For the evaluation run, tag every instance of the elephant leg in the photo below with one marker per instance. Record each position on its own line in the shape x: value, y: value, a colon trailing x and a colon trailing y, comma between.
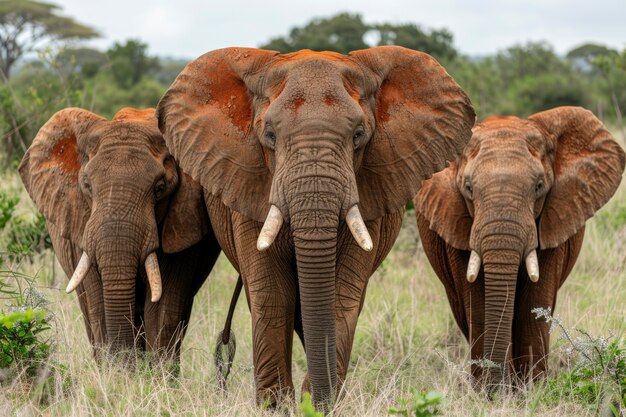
x: 473, y: 301
x: 531, y: 343
x: 271, y: 287
x: 182, y: 275
x: 450, y: 266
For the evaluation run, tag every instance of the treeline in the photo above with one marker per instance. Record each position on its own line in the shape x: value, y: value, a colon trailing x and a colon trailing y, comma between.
x: 519, y: 80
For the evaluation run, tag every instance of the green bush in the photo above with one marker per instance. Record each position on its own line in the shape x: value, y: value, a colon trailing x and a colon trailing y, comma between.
x: 22, y: 342
x: 422, y: 405
x: 597, y: 376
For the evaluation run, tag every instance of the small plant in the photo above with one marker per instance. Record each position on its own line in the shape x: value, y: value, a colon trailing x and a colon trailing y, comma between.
x: 23, y: 346
x: 598, y: 375
x: 306, y: 407
x: 7, y: 207
x: 422, y: 405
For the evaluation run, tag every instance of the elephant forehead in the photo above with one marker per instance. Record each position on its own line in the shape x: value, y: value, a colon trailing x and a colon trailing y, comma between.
x: 508, y: 132
x: 314, y: 72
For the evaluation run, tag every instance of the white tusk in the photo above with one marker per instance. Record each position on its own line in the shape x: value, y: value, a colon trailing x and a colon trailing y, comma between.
x: 473, y: 266
x: 79, y: 273
x: 270, y: 229
x: 532, y: 266
x: 358, y: 229
x: 154, y: 276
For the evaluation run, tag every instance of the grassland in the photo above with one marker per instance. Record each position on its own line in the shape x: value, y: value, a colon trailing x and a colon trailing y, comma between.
x: 406, y: 338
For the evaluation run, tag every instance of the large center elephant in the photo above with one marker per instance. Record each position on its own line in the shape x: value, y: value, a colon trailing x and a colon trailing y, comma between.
x: 121, y: 213
x: 516, y: 203
x: 315, y: 154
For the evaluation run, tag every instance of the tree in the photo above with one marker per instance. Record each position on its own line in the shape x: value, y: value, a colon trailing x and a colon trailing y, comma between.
x: 130, y: 62
x: 347, y: 32
x: 583, y: 55
x: 437, y: 43
x: 341, y: 33
x: 26, y: 25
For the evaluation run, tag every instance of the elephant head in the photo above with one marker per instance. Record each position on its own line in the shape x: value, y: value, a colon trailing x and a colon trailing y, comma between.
x: 111, y: 189
x: 313, y: 139
x: 519, y: 187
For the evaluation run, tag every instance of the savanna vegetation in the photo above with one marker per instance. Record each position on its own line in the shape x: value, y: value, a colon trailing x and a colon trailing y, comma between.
x: 409, y: 358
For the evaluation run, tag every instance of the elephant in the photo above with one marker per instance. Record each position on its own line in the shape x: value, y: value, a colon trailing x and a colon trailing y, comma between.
x: 503, y: 225
x: 121, y: 213
x: 308, y: 160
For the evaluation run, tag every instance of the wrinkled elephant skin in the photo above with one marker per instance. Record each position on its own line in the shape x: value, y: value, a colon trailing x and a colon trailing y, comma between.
x: 126, y: 224
x: 327, y: 148
x: 503, y: 226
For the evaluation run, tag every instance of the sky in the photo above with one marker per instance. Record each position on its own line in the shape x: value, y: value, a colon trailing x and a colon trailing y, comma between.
x: 188, y: 28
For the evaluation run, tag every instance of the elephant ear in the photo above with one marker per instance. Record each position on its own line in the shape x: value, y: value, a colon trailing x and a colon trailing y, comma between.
x: 423, y: 121
x: 50, y: 168
x: 206, y: 118
x: 442, y: 205
x: 186, y: 221
x: 588, y: 169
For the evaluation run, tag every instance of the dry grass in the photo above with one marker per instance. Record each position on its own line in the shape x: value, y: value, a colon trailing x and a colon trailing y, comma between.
x: 406, y: 338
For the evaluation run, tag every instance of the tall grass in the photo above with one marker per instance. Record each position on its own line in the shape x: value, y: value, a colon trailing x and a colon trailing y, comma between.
x: 406, y: 339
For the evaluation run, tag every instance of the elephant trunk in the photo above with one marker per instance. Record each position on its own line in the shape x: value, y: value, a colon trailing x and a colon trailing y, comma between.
x: 119, y: 250
x: 316, y: 262
x: 500, y: 266
x: 119, y: 303
x: 315, y: 204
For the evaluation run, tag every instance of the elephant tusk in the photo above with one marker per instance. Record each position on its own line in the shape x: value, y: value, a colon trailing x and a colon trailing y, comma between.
x: 532, y: 266
x: 358, y: 229
x: 473, y: 266
x: 154, y: 276
x: 270, y: 229
x: 79, y: 273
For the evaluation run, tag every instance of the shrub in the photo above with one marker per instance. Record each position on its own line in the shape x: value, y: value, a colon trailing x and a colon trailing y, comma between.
x: 597, y: 377
x: 422, y: 405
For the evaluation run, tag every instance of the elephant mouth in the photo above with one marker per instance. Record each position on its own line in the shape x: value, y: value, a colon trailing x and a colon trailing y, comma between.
x: 152, y: 271
x: 274, y: 222
x: 532, y: 266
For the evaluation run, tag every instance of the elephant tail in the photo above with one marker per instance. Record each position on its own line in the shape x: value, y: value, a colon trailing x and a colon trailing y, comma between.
x: 226, y: 346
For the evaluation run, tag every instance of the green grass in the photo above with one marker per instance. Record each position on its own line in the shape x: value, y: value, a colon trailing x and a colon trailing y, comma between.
x: 406, y: 342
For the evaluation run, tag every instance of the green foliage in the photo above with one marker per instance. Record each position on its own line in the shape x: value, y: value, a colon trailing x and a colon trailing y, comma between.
x: 347, y: 32
x: 19, y: 338
x: 25, y: 24
x: 306, y: 407
x: 438, y: 43
x: 7, y: 207
x: 597, y: 376
x: 22, y: 342
x: 341, y: 33
x: 130, y: 63
x: 22, y: 237
x: 421, y: 405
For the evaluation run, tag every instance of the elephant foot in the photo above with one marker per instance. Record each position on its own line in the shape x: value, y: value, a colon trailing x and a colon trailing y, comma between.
x: 275, y: 397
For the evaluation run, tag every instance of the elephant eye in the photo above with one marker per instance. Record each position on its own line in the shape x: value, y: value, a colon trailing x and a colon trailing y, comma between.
x: 358, y: 136
x: 87, y: 185
x: 159, y: 189
x: 270, y: 136
x: 539, y: 187
x: 469, y: 190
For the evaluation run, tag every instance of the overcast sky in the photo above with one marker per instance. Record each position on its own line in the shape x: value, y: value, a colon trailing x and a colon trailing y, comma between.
x: 188, y: 28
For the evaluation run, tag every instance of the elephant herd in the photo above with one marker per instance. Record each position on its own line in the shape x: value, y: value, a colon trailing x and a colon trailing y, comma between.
x: 299, y: 167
